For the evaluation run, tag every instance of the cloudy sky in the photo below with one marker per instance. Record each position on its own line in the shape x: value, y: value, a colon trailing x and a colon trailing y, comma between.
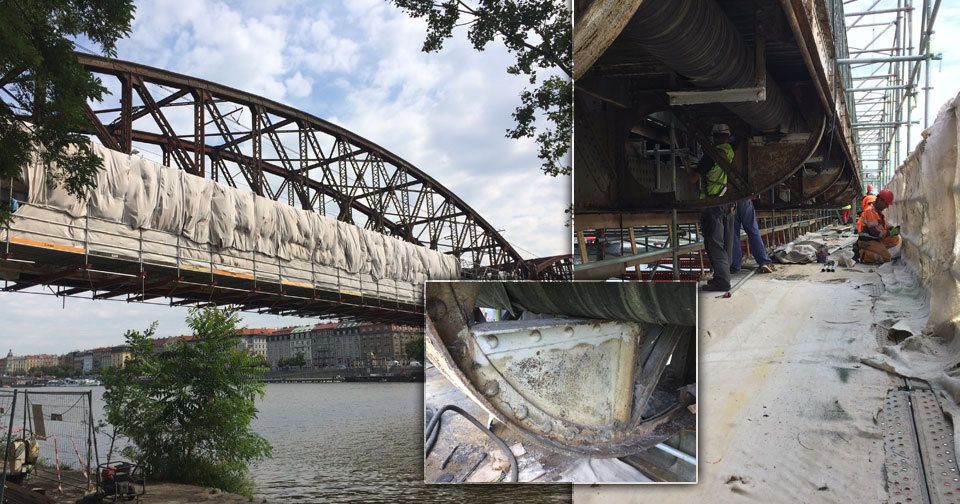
x: 358, y: 64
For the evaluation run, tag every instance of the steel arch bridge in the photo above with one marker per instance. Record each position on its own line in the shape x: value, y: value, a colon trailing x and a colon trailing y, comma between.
x: 285, y: 154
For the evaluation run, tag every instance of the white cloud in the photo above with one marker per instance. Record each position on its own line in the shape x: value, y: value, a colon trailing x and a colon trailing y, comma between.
x: 299, y: 86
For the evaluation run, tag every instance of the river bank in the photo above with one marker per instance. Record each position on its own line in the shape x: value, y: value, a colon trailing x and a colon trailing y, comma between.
x: 156, y: 493
x: 351, y: 443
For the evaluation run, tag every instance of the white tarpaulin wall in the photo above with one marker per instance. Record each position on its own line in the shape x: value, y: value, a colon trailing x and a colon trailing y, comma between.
x: 143, y: 210
x: 925, y: 289
x: 926, y: 191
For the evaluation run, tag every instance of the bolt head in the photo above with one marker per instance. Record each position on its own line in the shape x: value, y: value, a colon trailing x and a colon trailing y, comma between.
x: 493, y: 341
x: 436, y: 309
x: 535, y: 334
x: 522, y: 412
x: 491, y: 388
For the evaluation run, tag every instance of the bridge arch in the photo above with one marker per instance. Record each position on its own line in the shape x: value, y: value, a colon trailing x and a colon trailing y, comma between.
x: 285, y: 154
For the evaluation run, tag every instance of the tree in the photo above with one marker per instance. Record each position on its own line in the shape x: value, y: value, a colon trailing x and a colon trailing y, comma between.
x: 187, y: 408
x: 297, y: 360
x: 48, y: 89
x: 414, y: 349
x: 538, y: 32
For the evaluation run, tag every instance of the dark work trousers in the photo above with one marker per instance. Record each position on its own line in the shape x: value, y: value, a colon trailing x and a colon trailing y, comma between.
x: 716, y: 223
x: 746, y: 218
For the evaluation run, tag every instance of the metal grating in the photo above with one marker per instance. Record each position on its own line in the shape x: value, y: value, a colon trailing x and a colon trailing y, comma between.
x: 905, y: 482
x: 935, y: 436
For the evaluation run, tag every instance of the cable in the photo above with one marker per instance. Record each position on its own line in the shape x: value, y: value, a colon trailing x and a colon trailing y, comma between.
x: 433, y: 432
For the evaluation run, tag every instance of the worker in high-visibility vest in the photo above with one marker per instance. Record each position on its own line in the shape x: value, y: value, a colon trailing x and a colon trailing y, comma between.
x: 717, y: 222
x: 868, y: 198
x: 876, y: 237
x: 845, y: 213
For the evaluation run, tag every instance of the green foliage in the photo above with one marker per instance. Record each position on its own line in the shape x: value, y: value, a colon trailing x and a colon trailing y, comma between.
x: 539, y: 33
x: 187, y: 408
x: 47, y: 87
x: 414, y: 350
x: 58, y: 371
x: 297, y: 360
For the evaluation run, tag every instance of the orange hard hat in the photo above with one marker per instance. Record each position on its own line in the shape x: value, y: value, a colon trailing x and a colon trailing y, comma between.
x: 886, y: 196
x: 869, y: 188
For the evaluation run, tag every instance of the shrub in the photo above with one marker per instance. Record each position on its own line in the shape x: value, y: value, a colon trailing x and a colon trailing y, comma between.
x: 187, y: 408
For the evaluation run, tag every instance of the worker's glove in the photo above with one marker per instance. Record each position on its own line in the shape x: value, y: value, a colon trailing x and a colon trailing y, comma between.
x: 894, y: 231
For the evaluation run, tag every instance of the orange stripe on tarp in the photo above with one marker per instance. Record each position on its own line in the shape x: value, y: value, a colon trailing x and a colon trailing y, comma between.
x: 43, y: 244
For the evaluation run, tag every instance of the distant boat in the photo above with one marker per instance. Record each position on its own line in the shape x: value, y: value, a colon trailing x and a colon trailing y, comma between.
x: 80, y: 382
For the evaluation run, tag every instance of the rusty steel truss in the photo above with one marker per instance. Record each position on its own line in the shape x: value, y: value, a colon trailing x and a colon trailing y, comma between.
x: 285, y: 154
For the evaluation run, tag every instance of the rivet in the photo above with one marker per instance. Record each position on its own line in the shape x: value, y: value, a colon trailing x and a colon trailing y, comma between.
x: 522, y: 412
x: 493, y: 341
x: 437, y: 309
x: 535, y: 334
x: 547, y: 426
x: 491, y: 388
x: 568, y: 330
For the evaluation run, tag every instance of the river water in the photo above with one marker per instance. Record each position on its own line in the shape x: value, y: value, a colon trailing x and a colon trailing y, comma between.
x: 353, y: 443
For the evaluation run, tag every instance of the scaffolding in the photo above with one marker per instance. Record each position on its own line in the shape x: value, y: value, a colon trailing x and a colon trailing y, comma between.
x: 887, y: 57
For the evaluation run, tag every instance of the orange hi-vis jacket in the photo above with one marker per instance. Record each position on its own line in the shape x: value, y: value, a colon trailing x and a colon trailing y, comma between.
x: 871, y: 224
x: 867, y: 200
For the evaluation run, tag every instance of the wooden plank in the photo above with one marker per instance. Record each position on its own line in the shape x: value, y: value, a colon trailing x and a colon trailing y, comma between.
x: 17, y: 494
x: 582, y: 243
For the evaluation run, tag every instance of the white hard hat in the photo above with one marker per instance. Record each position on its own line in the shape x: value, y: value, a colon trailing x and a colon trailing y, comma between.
x: 721, y: 128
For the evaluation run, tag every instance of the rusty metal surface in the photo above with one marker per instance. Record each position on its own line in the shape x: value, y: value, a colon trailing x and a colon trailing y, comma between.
x: 290, y: 155
x: 573, y: 385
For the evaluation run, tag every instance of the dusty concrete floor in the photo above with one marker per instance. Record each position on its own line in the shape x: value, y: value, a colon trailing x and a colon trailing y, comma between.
x: 787, y: 411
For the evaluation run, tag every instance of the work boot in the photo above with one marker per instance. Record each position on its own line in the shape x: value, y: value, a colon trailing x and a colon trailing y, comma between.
x: 766, y: 268
x: 714, y: 287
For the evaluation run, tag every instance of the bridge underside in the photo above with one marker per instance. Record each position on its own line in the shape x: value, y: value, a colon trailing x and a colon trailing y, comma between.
x: 71, y: 273
x: 653, y: 77
x: 650, y: 87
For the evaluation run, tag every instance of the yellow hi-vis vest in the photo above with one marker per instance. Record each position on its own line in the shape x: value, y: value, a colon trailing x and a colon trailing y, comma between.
x: 716, y: 180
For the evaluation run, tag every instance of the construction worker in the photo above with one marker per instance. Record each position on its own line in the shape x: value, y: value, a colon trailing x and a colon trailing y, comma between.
x: 876, y: 237
x: 716, y: 222
x: 746, y: 218
x: 845, y: 213
x: 868, y: 198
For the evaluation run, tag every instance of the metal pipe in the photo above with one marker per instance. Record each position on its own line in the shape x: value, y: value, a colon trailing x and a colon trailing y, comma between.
x: 697, y: 40
x: 881, y: 88
x: 677, y: 453
x: 881, y: 124
x: 878, y: 11
x: 889, y: 59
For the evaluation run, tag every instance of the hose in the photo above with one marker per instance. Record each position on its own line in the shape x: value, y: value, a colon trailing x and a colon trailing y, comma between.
x: 433, y: 432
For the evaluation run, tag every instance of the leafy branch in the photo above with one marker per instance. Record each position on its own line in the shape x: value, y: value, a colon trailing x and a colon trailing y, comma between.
x: 538, y: 33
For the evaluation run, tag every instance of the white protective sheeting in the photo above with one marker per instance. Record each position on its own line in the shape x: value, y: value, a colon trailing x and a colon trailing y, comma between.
x: 926, y: 205
x: 920, y: 299
x: 141, y: 209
